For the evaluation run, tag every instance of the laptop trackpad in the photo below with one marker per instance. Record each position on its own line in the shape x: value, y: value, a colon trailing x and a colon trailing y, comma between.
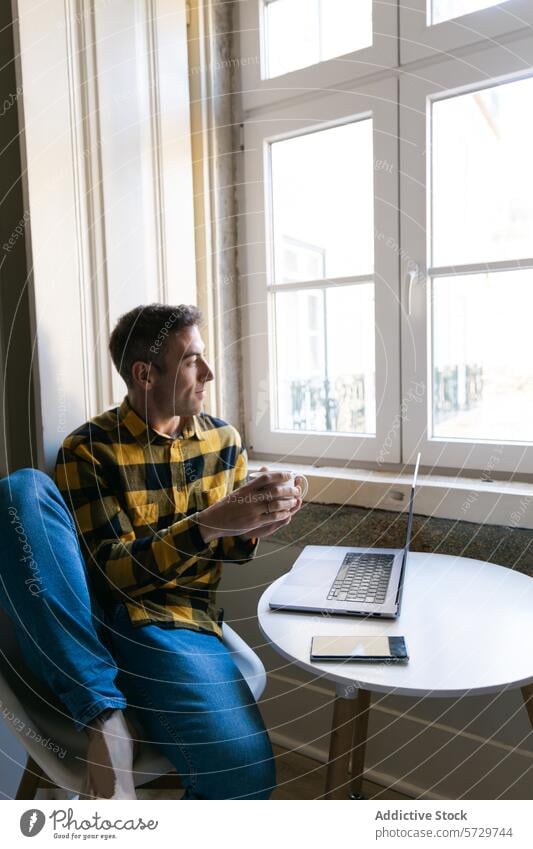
x: 312, y: 574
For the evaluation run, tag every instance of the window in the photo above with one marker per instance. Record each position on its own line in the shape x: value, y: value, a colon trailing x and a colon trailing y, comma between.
x: 482, y: 208
x: 322, y: 200
x: 303, y: 32
x: 483, y: 370
x: 355, y: 227
x: 287, y: 47
x: 467, y: 242
x: 322, y: 223
x: 322, y: 384
x: 321, y: 188
x: 431, y: 28
x: 444, y: 10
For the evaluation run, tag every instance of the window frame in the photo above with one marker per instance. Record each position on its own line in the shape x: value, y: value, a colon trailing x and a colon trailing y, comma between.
x: 441, y: 80
x: 255, y: 91
x: 419, y: 40
x: 378, y: 99
x: 491, y: 58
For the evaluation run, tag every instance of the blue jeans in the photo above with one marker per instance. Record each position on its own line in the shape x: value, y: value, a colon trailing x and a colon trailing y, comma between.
x: 182, y: 687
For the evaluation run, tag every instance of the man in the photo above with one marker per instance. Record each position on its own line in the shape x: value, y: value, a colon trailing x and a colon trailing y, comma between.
x: 151, y: 488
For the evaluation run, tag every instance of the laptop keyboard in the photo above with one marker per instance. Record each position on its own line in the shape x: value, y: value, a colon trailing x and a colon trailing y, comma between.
x: 362, y: 578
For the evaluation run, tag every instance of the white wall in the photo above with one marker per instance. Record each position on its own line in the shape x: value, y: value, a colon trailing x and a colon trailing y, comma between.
x: 107, y: 176
x: 108, y: 181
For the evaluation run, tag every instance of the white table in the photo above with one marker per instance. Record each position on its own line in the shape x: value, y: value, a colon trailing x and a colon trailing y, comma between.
x: 468, y: 626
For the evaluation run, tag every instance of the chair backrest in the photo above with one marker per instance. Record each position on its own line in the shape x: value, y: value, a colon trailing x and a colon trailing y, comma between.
x: 34, y: 715
x: 246, y: 660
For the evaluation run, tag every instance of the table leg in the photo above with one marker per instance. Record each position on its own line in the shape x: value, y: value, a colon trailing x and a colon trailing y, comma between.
x: 340, y: 746
x: 360, y: 730
x: 527, y: 693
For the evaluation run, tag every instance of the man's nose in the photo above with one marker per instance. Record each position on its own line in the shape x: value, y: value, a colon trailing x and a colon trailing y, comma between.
x: 208, y: 374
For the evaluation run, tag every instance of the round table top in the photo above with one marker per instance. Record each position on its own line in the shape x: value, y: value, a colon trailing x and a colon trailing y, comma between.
x: 468, y: 626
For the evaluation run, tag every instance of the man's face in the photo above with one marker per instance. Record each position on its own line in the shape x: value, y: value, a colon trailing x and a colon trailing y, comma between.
x: 179, y: 388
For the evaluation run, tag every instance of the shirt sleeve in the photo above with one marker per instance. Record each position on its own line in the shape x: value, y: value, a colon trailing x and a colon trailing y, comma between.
x: 234, y: 549
x: 120, y: 565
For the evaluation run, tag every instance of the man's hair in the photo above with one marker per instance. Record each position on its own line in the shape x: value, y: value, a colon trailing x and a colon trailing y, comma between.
x: 142, y: 333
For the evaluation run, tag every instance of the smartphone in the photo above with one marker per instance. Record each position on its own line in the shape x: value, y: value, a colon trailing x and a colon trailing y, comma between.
x: 371, y: 649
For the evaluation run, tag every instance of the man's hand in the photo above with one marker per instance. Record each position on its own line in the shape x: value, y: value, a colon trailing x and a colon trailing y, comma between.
x: 255, y: 509
x: 271, y: 528
x: 266, y: 530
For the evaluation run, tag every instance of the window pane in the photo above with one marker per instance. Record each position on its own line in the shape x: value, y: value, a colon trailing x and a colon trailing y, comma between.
x: 322, y: 204
x: 444, y: 10
x: 482, y: 173
x: 482, y: 363
x: 299, y: 33
x: 325, y: 358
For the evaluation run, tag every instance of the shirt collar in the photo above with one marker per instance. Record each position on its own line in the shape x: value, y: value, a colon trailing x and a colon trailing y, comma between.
x: 146, y: 434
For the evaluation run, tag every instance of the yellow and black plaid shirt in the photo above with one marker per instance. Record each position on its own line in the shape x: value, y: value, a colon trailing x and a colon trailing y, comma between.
x: 134, y: 493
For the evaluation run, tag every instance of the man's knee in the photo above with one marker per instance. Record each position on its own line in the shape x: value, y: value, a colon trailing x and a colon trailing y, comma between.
x: 22, y: 486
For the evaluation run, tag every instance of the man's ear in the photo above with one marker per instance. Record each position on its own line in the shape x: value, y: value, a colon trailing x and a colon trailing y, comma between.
x: 143, y: 374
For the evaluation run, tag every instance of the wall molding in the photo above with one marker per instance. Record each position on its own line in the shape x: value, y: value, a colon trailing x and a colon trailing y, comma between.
x: 407, y: 717
x: 94, y: 290
x: 384, y: 779
x: 156, y: 135
x: 74, y: 59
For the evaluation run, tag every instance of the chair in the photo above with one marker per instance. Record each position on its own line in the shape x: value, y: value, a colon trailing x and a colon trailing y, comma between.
x: 55, y: 749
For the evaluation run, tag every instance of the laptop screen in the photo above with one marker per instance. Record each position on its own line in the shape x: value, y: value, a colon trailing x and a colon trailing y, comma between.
x: 411, y: 511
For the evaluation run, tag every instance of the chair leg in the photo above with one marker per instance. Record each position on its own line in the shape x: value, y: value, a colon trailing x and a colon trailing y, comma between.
x: 29, y: 782
x: 527, y: 694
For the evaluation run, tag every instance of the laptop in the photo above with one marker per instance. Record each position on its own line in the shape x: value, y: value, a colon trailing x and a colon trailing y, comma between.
x: 345, y: 580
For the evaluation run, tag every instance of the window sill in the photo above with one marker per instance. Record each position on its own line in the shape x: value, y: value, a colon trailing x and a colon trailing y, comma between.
x: 464, y: 499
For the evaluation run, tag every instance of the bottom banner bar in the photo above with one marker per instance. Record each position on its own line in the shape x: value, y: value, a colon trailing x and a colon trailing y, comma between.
x: 241, y: 824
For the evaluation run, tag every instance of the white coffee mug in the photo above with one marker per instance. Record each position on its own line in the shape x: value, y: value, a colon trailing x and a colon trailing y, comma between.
x: 291, y: 482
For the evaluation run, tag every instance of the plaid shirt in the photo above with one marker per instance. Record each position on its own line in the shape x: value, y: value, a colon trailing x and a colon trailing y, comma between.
x: 134, y: 494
